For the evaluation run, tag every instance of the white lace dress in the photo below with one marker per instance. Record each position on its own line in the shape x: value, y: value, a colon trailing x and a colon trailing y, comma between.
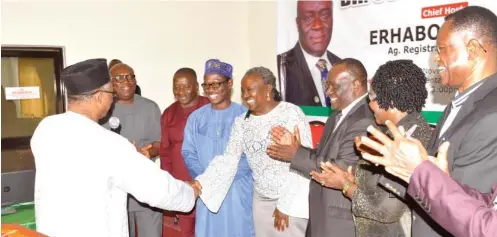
x: 272, y: 178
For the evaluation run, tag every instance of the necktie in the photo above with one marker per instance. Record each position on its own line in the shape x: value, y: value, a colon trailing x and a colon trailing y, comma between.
x: 321, y: 64
x: 337, y: 119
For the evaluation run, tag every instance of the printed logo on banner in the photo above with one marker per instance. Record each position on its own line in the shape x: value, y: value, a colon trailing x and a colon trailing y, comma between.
x: 417, y: 33
x: 359, y: 3
x: 441, y: 10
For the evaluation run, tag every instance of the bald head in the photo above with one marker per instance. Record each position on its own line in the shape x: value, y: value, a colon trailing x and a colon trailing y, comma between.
x: 120, y: 67
x: 347, y: 81
x: 114, y: 62
x: 356, y: 70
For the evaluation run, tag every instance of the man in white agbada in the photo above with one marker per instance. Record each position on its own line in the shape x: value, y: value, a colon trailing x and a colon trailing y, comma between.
x: 84, y: 171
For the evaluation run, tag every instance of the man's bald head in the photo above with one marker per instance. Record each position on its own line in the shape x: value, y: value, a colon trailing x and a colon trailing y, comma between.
x: 121, y: 67
x: 113, y: 62
x: 187, y: 71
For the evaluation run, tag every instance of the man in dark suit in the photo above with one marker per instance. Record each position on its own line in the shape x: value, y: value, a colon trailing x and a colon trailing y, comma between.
x: 330, y: 211
x: 303, y: 69
x: 440, y: 195
x: 467, y: 57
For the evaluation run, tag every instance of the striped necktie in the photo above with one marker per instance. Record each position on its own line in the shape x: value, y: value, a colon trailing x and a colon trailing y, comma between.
x: 321, y: 64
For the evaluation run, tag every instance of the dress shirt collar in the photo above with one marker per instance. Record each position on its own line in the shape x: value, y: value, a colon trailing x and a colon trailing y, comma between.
x: 351, y: 105
x: 460, y: 98
x: 312, y: 60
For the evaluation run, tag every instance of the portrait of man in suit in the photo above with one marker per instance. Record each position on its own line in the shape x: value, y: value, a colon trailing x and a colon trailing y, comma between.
x: 304, y: 68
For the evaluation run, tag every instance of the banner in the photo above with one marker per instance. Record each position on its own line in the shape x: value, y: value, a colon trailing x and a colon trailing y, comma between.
x: 373, y: 32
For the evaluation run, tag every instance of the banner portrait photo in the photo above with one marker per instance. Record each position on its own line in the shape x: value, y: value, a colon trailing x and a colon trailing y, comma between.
x: 373, y: 32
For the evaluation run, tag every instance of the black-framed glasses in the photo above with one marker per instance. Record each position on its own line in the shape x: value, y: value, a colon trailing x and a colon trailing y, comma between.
x: 122, y: 78
x: 213, y: 85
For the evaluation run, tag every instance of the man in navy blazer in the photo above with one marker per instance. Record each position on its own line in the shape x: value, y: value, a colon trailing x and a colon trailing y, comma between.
x: 430, y: 185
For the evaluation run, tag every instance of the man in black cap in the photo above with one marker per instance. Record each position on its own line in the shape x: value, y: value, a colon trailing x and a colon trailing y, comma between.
x: 84, y: 171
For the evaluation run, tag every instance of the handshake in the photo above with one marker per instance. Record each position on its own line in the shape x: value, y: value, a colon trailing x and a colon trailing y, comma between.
x: 197, y: 188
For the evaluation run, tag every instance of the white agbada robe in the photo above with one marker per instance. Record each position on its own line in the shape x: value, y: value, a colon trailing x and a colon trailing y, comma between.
x: 83, y: 175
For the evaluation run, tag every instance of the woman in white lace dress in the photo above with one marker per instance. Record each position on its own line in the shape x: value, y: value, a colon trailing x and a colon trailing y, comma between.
x: 280, y: 202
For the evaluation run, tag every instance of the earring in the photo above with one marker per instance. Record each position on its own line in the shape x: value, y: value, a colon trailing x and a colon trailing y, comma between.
x: 267, y: 98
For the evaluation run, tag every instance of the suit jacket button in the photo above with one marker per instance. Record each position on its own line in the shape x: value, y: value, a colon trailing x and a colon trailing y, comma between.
x: 316, y: 99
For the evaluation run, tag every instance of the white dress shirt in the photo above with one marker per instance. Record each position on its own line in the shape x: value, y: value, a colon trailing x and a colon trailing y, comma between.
x: 316, y: 73
x: 348, y: 108
x: 79, y: 189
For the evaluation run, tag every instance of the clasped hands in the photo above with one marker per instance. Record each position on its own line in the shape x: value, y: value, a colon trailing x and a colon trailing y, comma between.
x: 144, y: 150
x: 197, y: 188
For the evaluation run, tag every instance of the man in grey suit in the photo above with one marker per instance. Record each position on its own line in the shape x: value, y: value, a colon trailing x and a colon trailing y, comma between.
x: 329, y: 211
x: 467, y: 57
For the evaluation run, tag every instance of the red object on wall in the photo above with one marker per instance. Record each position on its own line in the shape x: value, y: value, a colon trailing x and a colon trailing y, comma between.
x: 317, y: 128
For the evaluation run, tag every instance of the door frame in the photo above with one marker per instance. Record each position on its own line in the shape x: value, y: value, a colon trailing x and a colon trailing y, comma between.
x: 57, y: 55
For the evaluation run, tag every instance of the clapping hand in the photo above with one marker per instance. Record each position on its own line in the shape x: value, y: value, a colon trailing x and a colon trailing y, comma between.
x: 401, y: 155
x: 285, y: 144
x: 333, y: 176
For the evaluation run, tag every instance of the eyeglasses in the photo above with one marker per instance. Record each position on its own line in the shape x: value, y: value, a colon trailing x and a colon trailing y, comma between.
x: 122, y: 78
x: 335, y: 88
x: 440, y: 48
x: 213, y: 85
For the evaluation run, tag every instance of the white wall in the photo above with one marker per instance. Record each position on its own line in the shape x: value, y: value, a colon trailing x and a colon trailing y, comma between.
x: 154, y: 37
